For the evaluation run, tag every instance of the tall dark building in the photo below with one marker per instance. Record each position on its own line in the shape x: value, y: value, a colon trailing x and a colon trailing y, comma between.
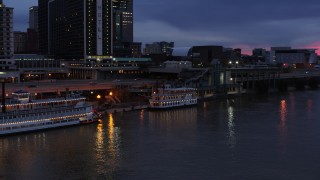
x: 6, y: 32
x: 70, y: 29
x: 123, y: 20
x: 20, y: 42
x: 123, y: 30
x: 32, y: 42
x: 8, y: 68
x: 43, y: 26
x: 33, y: 18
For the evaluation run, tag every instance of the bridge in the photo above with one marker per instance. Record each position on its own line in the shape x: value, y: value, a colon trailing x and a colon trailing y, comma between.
x: 217, y: 80
x: 263, y: 79
x: 207, y: 80
x: 75, y: 85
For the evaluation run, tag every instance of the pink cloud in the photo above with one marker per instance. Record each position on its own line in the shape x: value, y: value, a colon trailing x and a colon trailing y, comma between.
x: 315, y: 45
x: 247, y: 49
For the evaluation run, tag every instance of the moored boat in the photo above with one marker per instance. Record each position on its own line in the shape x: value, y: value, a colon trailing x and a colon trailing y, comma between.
x: 167, y: 97
x: 21, y: 113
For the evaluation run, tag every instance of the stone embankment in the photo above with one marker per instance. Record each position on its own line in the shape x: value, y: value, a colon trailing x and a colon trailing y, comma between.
x: 125, y: 109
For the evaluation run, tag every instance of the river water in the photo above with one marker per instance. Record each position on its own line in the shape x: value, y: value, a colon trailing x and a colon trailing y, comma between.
x: 249, y: 137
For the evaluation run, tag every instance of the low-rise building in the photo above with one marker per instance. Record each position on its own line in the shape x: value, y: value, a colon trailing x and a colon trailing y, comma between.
x: 202, y: 56
x: 163, y: 47
x: 39, y: 67
x: 299, y: 58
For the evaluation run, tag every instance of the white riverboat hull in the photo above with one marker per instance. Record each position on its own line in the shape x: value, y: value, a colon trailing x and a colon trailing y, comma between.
x: 8, y: 130
x: 38, y: 127
x: 167, y: 97
x: 172, y: 107
x: 22, y: 114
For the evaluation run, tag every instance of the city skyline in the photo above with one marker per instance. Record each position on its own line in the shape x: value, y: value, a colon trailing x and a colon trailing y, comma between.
x: 244, y: 24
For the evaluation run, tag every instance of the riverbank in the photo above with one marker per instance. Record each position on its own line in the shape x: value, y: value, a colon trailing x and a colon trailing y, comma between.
x: 120, y: 107
x: 125, y: 109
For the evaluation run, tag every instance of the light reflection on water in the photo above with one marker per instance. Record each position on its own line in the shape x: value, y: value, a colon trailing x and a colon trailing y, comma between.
x: 283, y: 127
x: 17, y: 152
x: 231, y: 128
x: 177, y: 121
x: 309, y: 105
x: 276, y: 137
x: 100, y: 149
x: 174, y: 118
x: 108, y: 143
x: 141, y: 116
x: 114, y: 141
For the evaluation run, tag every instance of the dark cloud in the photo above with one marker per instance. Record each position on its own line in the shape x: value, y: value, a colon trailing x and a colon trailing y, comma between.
x: 230, y: 22
x: 202, y: 12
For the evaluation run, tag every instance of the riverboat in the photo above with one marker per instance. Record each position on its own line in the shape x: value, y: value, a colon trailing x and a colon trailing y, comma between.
x: 21, y: 113
x: 168, y: 97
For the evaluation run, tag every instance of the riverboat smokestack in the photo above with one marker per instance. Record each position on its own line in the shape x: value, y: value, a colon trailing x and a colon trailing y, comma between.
x: 3, y: 97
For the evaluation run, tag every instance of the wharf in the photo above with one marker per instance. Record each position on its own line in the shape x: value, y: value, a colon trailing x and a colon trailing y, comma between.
x: 125, y: 109
x: 119, y: 107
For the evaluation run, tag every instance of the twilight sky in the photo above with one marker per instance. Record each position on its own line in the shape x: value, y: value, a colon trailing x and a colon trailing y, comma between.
x: 246, y: 24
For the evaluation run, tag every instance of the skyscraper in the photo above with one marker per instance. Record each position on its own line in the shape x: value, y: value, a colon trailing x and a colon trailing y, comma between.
x: 99, y: 39
x: 123, y: 30
x: 123, y: 20
x: 32, y: 43
x: 33, y: 18
x: 70, y: 29
x: 43, y: 26
x: 20, y: 42
x: 8, y: 71
x: 6, y: 32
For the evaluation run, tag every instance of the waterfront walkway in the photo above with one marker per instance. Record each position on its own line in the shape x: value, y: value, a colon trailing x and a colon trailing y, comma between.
x: 125, y: 109
x: 120, y: 107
